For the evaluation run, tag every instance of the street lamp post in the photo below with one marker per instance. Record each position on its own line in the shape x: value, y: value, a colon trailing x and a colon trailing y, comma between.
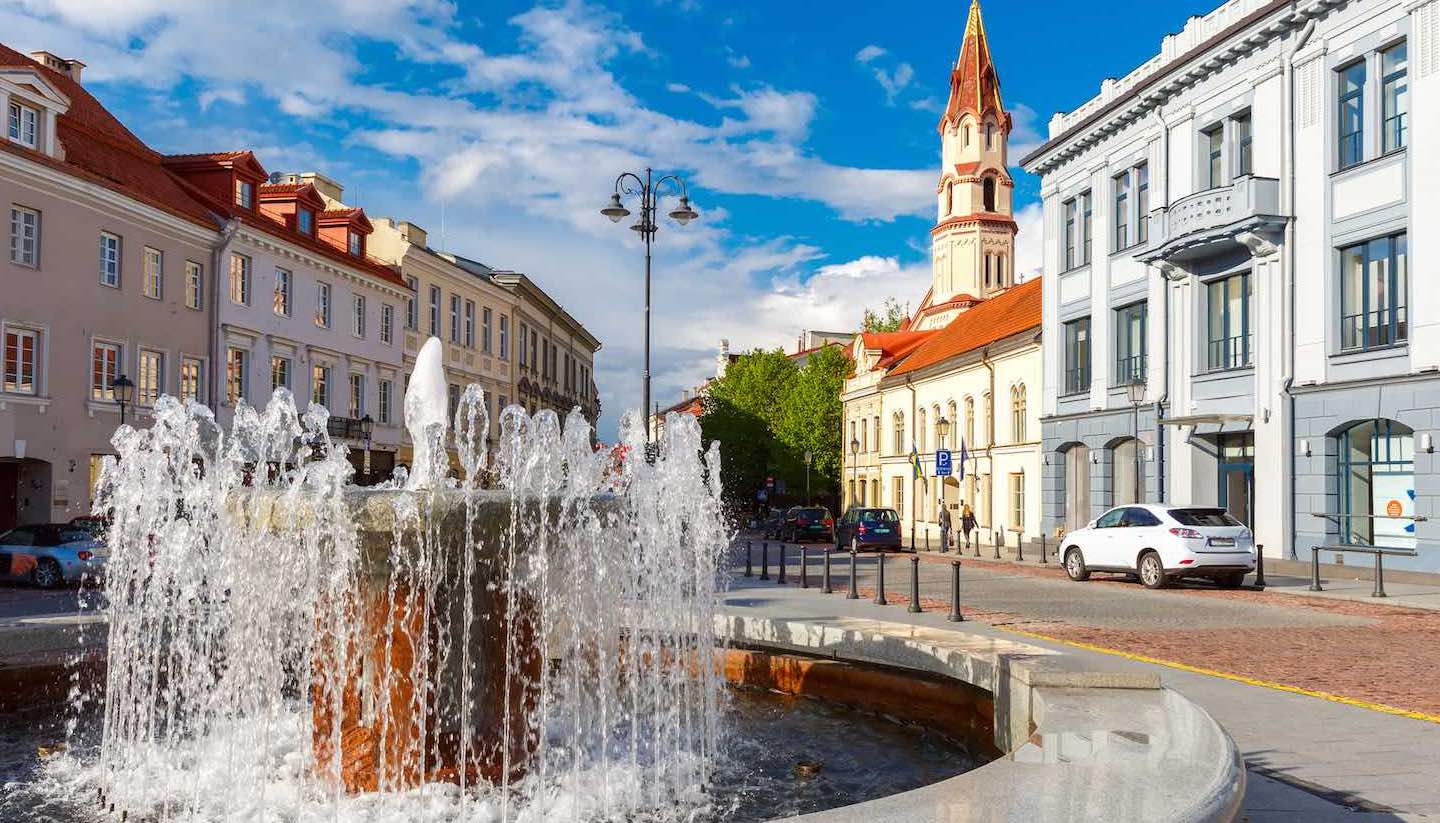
x: 629, y: 184
x: 942, y: 430
x: 124, y: 393
x: 808, y: 458
x: 367, y: 428
x: 1135, y: 391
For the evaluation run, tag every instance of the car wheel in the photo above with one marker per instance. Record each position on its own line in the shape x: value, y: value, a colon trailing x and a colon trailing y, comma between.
x: 47, y: 574
x: 1075, y: 567
x: 1231, y: 580
x: 1152, y: 571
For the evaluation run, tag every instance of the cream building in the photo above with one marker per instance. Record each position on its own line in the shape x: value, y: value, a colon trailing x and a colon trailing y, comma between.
x: 963, y: 369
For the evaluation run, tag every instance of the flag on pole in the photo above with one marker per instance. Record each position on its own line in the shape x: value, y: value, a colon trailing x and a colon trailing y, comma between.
x: 915, y: 461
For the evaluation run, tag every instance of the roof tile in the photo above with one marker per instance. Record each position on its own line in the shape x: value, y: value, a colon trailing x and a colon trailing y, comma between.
x: 1007, y: 313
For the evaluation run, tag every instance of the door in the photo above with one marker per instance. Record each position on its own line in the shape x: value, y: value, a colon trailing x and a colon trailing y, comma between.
x: 1106, y: 545
x: 1077, y: 487
x: 1237, y: 475
x: 9, y: 476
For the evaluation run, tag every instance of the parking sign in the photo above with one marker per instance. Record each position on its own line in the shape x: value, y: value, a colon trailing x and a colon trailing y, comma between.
x: 942, y: 463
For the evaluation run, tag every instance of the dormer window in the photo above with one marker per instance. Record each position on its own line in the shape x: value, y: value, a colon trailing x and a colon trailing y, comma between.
x: 355, y: 243
x: 305, y: 221
x: 24, y: 125
x: 244, y: 194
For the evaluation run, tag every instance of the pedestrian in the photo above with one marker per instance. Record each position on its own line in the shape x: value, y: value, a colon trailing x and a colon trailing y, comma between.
x: 944, y: 528
x: 967, y: 522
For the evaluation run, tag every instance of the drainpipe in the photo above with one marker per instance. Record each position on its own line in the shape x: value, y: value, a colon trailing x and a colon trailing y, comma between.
x: 228, y: 230
x: 914, y: 481
x: 990, y: 438
x: 1288, y: 262
x: 1165, y: 319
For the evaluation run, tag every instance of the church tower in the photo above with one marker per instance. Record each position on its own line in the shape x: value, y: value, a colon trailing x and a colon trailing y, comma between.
x: 973, y: 241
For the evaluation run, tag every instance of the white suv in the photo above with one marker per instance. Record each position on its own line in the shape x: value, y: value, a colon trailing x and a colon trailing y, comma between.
x: 1162, y: 542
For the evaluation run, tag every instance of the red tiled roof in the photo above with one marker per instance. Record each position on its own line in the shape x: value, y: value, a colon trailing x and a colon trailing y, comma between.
x: 974, y: 82
x: 1007, y: 313
x: 99, y: 148
x: 894, y: 345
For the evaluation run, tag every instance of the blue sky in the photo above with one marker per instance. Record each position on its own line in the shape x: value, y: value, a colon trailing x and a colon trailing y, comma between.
x: 806, y: 130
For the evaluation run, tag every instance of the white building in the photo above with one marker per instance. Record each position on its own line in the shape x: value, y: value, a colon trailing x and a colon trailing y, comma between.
x: 1231, y: 224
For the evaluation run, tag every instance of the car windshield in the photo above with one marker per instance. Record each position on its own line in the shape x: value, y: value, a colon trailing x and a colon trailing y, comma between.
x: 879, y: 516
x: 1204, y: 517
x: 812, y: 514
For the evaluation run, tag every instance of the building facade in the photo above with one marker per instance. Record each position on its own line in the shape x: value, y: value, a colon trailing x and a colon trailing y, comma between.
x: 106, y: 274
x: 555, y: 353
x: 959, y: 375
x: 1230, y: 225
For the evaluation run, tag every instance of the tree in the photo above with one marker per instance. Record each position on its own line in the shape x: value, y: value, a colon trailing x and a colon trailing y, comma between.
x: 811, y: 420
x: 890, y: 317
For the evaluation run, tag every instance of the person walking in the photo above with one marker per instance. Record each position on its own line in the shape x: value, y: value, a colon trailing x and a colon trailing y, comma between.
x: 944, y: 528
x: 967, y: 522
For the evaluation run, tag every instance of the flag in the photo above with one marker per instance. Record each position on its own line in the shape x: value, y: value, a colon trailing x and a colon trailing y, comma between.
x: 915, y: 461
x: 964, y: 458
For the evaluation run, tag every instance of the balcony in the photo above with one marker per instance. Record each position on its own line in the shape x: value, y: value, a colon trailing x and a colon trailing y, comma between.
x: 1245, y: 213
x: 346, y: 428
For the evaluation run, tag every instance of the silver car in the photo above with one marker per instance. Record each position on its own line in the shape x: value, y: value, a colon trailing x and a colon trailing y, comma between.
x: 50, y: 555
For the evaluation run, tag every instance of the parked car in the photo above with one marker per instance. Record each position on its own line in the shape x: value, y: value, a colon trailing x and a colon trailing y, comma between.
x: 866, y: 528
x: 50, y: 555
x: 772, y: 524
x: 809, y: 523
x: 1160, y: 543
x: 96, y: 527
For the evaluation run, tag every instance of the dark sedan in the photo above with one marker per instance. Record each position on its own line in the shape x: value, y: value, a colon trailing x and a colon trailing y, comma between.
x: 809, y: 523
x: 863, y: 528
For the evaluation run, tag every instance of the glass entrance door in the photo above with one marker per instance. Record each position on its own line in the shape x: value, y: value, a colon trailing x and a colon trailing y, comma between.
x: 1237, y: 475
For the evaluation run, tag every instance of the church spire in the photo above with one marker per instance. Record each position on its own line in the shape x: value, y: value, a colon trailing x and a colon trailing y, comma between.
x: 974, y: 82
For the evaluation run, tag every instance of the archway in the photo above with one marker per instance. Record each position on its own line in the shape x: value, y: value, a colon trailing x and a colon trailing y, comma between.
x: 1076, y: 485
x: 1376, y: 483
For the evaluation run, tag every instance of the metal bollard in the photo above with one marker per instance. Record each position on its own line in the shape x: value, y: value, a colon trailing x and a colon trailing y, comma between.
x: 1020, y: 546
x: 765, y: 560
x: 1259, y: 566
x: 914, y: 585
x: 977, y: 542
x: 826, y: 589
x: 1315, y: 569
x: 955, y: 616
x: 1043, y: 561
x: 880, y: 580
x: 996, y: 542
x: 781, y: 578
x: 927, y: 540
x: 1379, y: 576
x: 804, y: 568
x: 749, y: 558
x: 853, y: 593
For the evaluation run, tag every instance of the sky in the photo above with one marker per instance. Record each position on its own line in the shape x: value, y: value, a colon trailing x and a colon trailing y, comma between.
x: 806, y: 132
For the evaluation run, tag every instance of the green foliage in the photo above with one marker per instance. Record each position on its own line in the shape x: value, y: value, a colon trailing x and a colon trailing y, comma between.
x: 890, y: 317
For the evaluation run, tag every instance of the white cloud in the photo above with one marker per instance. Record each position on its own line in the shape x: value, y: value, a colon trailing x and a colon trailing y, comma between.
x: 1030, y: 240
x: 869, y: 53
x: 209, y: 97
x: 893, y: 81
x: 1025, y: 134
x: 678, y: 88
x: 737, y: 60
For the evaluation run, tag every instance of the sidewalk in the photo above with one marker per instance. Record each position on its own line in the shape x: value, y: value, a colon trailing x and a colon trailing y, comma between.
x: 1310, y: 759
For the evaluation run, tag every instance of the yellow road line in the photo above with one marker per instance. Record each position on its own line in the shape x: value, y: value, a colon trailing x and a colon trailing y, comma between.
x: 1250, y: 681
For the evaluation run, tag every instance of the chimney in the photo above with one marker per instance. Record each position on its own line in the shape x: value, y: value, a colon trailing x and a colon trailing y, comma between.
x: 69, y: 68
x: 328, y: 189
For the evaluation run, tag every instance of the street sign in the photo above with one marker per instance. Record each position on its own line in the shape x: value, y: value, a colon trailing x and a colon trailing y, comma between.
x: 942, y: 463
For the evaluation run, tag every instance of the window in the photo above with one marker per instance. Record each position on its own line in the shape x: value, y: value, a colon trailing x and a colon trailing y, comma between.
x: 387, y: 323
x: 283, y: 288
x: 1130, y: 344
x: 504, y: 337
x: 969, y: 422
x: 412, y: 312
x: 965, y: 136
x: 898, y: 494
x: 1018, y: 413
x: 322, y: 305
x: 434, y: 311
x: 1394, y: 97
x: 1212, y: 149
x: 109, y: 259
x: 1122, y: 211
x: 1077, y: 356
x: 24, y: 125
x: 279, y: 373
x: 1070, y: 260
x: 454, y: 400
x: 1017, y: 500
x: 454, y: 318
x: 194, y: 284
x: 987, y: 193
x: 986, y: 408
x: 357, y: 396
x: 244, y: 194
x: 1228, y: 306
x: 240, y: 279
x: 523, y: 359
x: 320, y: 385
x: 1373, y: 289
x: 357, y: 315
x: 470, y: 324
x: 865, y: 435
x: 305, y: 221
x: 104, y: 368
x: 988, y: 264
x: 237, y: 375
x: 899, y: 432
x: 1077, y: 237
x: 1000, y: 270
x: 192, y: 385
x: 1142, y: 203
x: 382, y: 412
x: 1086, y: 222
x: 990, y: 135
x: 24, y: 236
x: 920, y: 426
x: 534, y: 361
x: 1376, y: 476
x: 149, y: 377
x: 1244, y: 151
x: 485, y: 317
x: 21, y: 347
x: 153, y: 280
x: 357, y: 244
x: 1351, y: 114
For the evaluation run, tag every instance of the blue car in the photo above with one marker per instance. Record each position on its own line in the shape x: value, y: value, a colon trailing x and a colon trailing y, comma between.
x: 50, y: 556
x: 868, y: 528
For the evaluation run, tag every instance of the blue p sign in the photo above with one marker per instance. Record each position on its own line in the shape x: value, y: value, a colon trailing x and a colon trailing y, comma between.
x: 942, y: 463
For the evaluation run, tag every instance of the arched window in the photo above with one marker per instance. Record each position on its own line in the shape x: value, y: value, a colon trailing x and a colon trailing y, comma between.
x: 1077, y: 487
x: 954, y: 424
x: 864, y: 437
x: 899, y: 433
x: 988, y: 189
x: 877, y: 434
x: 920, y: 429
x: 970, y: 421
x: 987, y: 407
x: 989, y: 135
x: 989, y: 264
x: 949, y: 198
x: 965, y: 136
x: 1000, y: 271
x: 935, y: 421
x: 1377, y: 477
x: 1126, y: 482
x: 1017, y: 413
